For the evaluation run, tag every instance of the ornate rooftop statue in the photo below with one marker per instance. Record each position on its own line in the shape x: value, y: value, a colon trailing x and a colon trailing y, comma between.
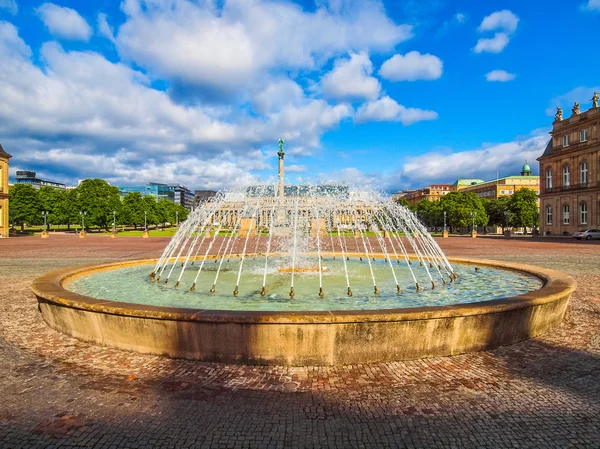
x: 575, y: 109
x: 595, y: 99
x: 558, y: 117
x: 280, y: 152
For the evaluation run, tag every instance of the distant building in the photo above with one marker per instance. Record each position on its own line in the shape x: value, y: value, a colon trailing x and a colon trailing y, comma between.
x: 157, y: 190
x: 570, y: 171
x: 4, y: 157
x: 183, y: 196
x: 497, y: 188
x: 29, y: 177
x: 432, y: 193
x: 202, y: 196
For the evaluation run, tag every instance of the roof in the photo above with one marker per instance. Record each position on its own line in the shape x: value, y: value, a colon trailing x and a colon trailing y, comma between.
x: 4, y: 153
x: 548, y: 150
x: 467, y: 182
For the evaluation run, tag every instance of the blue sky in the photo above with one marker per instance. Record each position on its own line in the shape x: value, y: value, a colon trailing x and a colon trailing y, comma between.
x: 400, y: 94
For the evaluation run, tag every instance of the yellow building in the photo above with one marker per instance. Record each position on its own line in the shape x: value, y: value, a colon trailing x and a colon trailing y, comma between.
x: 432, y: 193
x: 4, y: 226
x: 497, y: 188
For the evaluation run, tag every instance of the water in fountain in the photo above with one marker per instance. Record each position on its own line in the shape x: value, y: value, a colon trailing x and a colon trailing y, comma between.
x: 299, y: 230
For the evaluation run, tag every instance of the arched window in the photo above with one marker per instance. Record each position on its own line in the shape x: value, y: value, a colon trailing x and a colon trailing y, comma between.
x: 548, y: 215
x: 566, y: 176
x: 566, y: 218
x: 583, y: 172
x: 583, y: 213
x: 548, y: 179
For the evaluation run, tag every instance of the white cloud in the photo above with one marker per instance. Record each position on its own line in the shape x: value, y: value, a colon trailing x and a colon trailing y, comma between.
x: 296, y: 168
x: 460, y: 17
x: 65, y: 23
x: 492, y: 45
x: 10, y: 5
x: 92, y: 117
x: 351, y: 79
x: 591, y: 5
x: 500, y: 75
x: 104, y: 29
x: 581, y: 94
x: 277, y: 94
x: 388, y: 110
x: 229, y: 47
x: 504, y: 20
x: 507, y: 158
x: 411, y: 67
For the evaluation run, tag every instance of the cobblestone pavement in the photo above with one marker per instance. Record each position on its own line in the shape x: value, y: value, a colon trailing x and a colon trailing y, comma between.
x: 56, y: 391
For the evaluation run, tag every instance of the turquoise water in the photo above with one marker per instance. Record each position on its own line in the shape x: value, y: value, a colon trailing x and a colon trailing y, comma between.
x: 132, y: 284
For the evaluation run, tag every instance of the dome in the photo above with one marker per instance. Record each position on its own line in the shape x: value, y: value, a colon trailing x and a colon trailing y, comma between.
x: 526, y: 167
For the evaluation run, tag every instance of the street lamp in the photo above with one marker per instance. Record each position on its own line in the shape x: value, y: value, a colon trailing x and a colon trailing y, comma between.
x: 83, y: 213
x: 176, y: 218
x: 45, y: 215
x: 145, y: 221
x: 473, y: 215
x: 114, y: 221
x: 507, y: 215
x: 444, y: 221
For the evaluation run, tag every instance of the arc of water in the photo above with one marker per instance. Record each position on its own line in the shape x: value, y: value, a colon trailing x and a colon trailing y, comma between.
x: 263, y: 291
x: 315, y: 200
x: 200, y: 230
x: 383, y: 246
x: 294, y: 250
x: 349, y: 292
x: 237, y: 282
x: 238, y: 221
x: 212, y: 241
x: 375, y: 289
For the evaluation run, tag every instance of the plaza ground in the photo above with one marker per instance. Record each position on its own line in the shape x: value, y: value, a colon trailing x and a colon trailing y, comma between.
x: 56, y: 391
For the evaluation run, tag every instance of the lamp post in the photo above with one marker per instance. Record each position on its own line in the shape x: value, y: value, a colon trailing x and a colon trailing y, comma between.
x: 176, y: 218
x: 83, y: 214
x: 114, y: 221
x: 145, y: 221
x: 45, y: 215
x: 444, y: 221
x: 473, y: 215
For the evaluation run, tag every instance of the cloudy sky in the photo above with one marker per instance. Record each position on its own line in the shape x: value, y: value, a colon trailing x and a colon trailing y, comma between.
x: 400, y: 93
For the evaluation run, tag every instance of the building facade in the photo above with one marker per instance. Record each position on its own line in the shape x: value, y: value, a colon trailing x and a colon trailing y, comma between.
x: 4, y: 218
x: 155, y: 189
x: 29, y: 177
x: 182, y: 196
x: 496, y: 188
x: 202, y: 196
x: 570, y: 173
x: 431, y: 193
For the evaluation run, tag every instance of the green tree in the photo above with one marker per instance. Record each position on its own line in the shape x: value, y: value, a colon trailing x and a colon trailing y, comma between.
x: 182, y: 213
x: 24, y: 205
x: 98, y: 199
x: 165, y: 211
x: 524, y: 209
x: 498, y: 211
x: 68, y: 208
x: 460, y: 206
x: 50, y: 201
x: 429, y: 212
x: 150, y: 208
x: 403, y: 202
x: 133, y: 209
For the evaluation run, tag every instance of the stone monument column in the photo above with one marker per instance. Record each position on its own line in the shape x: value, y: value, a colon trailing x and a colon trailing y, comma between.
x: 281, y: 153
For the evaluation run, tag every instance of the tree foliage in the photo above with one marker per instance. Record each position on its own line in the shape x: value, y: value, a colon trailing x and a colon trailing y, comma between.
x: 98, y: 199
x: 133, y: 209
x: 460, y: 206
x: 24, y: 205
x: 524, y: 209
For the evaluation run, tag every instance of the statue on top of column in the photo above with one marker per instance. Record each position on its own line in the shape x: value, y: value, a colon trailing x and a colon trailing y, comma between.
x: 280, y: 152
x: 575, y: 110
x: 558, y: 116
x: 595, y: 99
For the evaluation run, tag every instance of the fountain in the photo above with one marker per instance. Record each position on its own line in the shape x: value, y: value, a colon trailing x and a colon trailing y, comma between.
x: 307, y: 274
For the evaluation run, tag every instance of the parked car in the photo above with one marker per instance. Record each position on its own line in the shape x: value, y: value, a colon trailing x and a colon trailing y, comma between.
x: 587, y: 234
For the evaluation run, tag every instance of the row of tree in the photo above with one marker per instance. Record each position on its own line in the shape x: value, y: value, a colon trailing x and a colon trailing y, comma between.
x: 100, y: 202
x: 465, y: 208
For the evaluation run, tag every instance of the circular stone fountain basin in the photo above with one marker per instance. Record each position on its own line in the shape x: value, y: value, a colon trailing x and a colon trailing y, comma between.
x: 491, y: 304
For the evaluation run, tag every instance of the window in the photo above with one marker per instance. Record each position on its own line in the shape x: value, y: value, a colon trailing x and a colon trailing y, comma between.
x: 583, y: 170
x: 583, y: 135
x: 548, y: 215
x: 566, y: 140
x: 566, y: 176
x: 583, y: 213
x: 566, y: 219
x: 548, y: 179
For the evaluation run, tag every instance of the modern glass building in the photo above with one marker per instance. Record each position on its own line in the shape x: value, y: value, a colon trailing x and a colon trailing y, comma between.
x: 157, y: 190
x: 29, y: 177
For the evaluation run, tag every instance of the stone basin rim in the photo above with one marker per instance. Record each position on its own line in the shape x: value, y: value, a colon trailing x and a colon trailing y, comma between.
x: 50, y: 288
